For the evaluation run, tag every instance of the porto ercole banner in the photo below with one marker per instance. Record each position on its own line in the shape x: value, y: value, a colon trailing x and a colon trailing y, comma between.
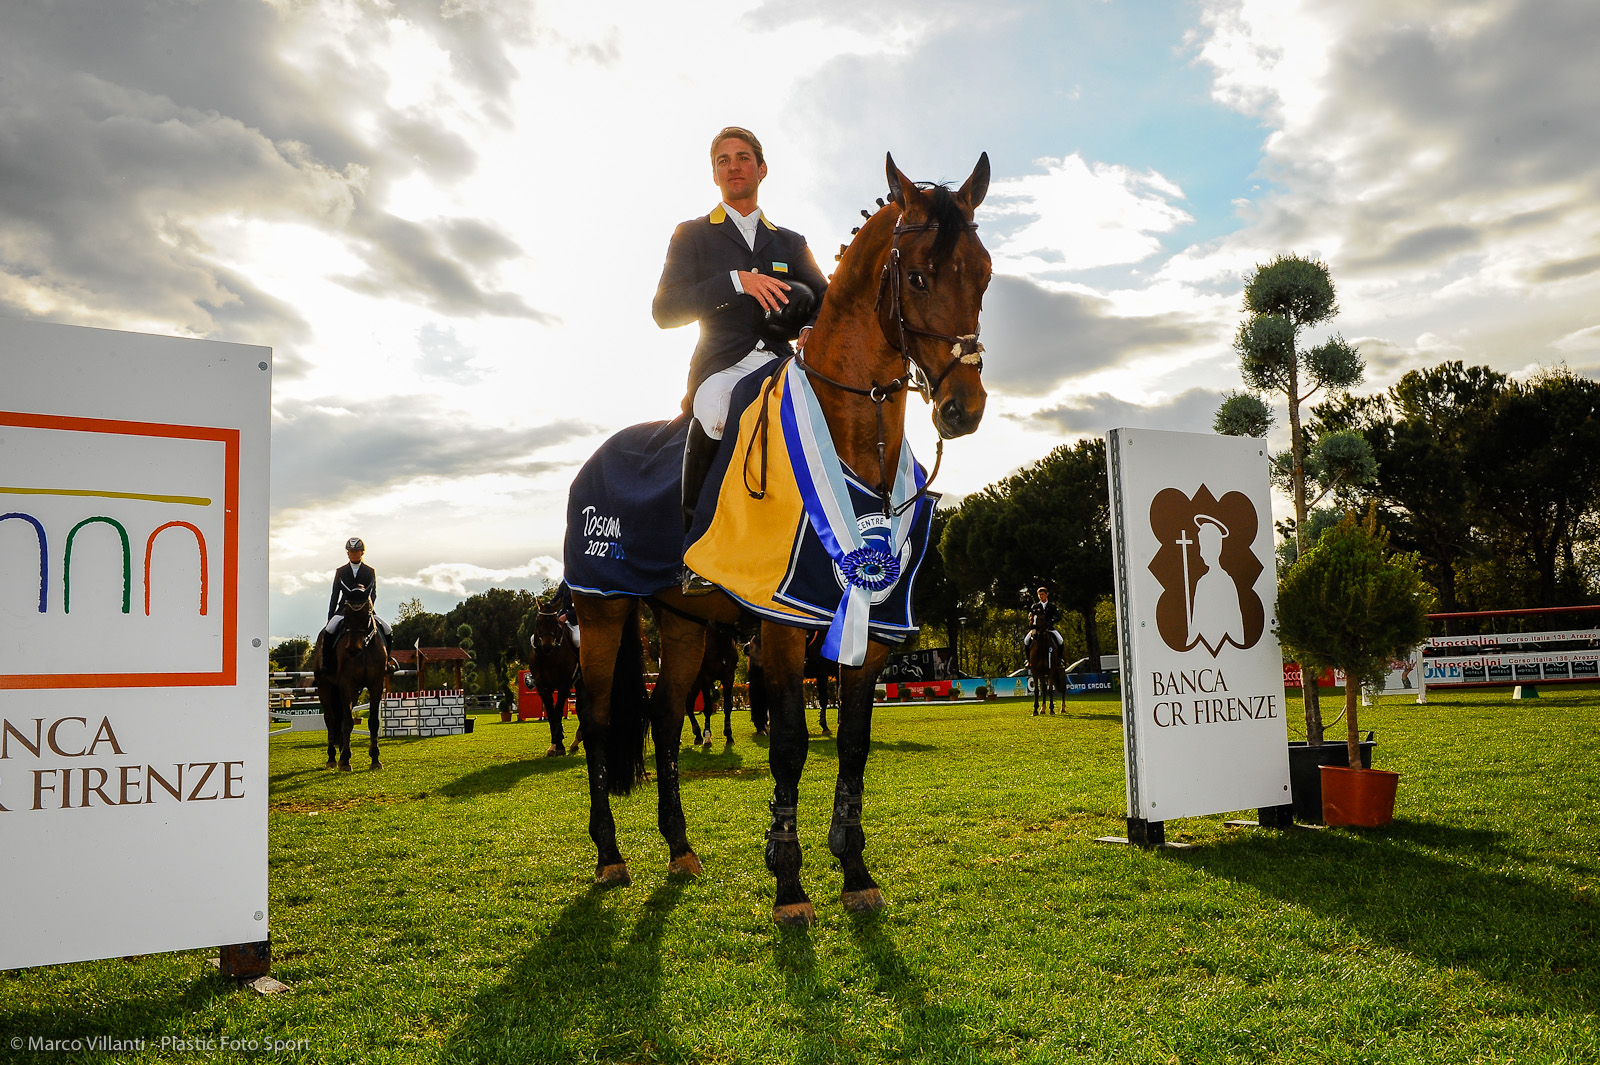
x: 1202, y: 690
x: 133, y: 632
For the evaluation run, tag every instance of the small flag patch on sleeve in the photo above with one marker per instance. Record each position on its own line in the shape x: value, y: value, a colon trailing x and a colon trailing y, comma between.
x: 780, y: 268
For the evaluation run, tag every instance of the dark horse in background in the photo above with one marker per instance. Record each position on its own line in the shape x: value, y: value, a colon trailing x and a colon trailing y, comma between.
x: 716, y: 667
x: 820, y: 671
x: 553, y: 662
x: 901, y: 315
x: 353, y: 661
x: 1045, y: 672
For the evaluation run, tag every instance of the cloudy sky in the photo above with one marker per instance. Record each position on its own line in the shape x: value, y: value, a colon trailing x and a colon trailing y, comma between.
x: 447, y: 217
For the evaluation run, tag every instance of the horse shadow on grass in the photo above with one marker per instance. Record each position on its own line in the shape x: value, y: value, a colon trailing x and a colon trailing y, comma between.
x: 923, y: 1024
x: 503, y: 776
x: 1451, y: 896
x: 588, y: 990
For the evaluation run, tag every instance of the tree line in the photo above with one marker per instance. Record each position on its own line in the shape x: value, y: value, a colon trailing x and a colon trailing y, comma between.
x: 1493, y: 482
x: 493, y: 625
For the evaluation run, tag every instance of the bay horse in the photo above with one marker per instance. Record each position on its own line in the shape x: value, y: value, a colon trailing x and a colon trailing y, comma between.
x: 820, y: 670
x: 716, y: 667
x: 1045, y: 672
x: 900, y: 315
x: 355, y: 660
x: 553, y: 662
x: 756, y: 685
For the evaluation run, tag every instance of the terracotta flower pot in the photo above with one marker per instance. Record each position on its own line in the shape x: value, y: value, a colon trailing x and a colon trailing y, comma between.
x: 1363, y: 798
x: 505, y: 715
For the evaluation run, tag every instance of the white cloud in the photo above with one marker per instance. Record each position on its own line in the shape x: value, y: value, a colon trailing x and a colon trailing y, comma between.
x: 1081, y: 215
x: 1580, y: 340
x: 464, y: 578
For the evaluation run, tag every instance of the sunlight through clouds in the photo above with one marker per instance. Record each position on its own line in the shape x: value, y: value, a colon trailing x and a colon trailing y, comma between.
x: 1082, y: 216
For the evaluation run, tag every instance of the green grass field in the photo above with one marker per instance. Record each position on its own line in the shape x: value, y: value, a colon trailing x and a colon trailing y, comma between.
x: 441, y: 910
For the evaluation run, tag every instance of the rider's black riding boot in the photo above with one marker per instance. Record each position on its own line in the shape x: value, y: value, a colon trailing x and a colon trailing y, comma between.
x: 699, y: 451
x: 322, y: 657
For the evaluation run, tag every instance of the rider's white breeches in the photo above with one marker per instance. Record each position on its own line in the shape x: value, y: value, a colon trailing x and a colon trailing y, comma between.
x: 712, y: 397
x: 338, y: 619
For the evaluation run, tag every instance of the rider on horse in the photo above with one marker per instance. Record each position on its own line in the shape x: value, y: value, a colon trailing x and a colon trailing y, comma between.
x: 561, y: 604
x: 1043, y: 615
x: 712, y: 263
x: 357, y: 577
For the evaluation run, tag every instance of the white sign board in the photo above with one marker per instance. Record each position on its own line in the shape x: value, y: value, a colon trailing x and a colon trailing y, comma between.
x: 133, y: 631
x: 1202, y: 688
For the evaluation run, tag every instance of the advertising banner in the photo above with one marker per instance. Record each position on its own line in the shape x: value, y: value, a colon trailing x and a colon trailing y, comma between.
x: 1202, y: 689
x: 133, y: 631
x: 926, y: 663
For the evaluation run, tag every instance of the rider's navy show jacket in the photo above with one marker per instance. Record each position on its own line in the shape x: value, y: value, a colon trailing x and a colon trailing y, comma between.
x: 344, y: 581
x: 695, y: 286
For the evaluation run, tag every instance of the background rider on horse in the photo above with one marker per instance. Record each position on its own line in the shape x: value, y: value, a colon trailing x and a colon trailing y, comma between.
x: 732, y: 270
x: 1043, y: 616
x: 349, y: 579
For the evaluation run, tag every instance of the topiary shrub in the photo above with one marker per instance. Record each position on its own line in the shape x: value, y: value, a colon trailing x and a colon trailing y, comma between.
x: 1350, y: 603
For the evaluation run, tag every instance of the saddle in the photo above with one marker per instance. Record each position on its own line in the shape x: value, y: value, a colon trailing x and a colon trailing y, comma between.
x: 751, y: 534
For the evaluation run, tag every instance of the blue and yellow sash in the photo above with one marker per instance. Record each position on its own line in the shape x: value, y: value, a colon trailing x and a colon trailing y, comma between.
x: 816, y: 549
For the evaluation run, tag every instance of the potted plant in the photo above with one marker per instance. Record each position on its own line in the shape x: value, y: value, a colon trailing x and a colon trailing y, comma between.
x: 1351, y: 604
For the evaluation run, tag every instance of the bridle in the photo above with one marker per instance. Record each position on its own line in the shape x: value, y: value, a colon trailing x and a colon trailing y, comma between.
x: 550, y: 643
x: 964, y: 350
x: 361, y: 607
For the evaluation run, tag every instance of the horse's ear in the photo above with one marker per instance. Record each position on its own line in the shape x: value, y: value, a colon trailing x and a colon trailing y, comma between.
x: 977, y: 186
x: 902, y: 190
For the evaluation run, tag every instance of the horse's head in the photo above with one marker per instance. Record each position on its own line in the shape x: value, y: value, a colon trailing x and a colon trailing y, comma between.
x: 932, y: 290
x: 357, y: 604
x: 546, y: 631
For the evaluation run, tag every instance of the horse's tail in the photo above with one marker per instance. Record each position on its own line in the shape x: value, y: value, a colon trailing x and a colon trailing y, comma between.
x: 630, y: 717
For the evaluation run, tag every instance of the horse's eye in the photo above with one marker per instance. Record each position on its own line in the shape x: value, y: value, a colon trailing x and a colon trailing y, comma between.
x: 919, y: 282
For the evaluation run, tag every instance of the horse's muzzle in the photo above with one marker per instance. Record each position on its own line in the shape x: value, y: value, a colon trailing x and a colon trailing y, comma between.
x: 954, y: 418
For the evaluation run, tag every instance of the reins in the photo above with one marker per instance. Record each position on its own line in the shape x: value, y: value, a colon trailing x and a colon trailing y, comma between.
x: 964, y: 350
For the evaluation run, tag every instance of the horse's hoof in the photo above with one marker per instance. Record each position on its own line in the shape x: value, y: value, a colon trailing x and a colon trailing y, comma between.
x: 613, y: 876
x: 868, y: 901
x: 573, y: 749
x: 376, y: 765
x: 706, y: 746
x: 685, y: 865
x: 555, y: 749
x: 332, y: 764
x: 794, y: 915
x: 344, y: 768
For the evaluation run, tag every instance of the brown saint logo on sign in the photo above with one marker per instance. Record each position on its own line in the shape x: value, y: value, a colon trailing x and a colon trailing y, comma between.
x: 1207, y: 567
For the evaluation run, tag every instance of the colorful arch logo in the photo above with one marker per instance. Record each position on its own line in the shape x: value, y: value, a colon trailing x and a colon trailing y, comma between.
x: 35, y: 496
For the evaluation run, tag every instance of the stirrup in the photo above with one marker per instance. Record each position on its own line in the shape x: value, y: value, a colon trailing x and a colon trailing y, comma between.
x: 693, y: 584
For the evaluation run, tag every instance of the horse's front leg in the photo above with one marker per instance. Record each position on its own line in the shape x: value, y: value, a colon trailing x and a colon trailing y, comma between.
x: 347, y: 722
x: 329, y: 698
x: 682, y: 645
x: 555, y: 703
x: 784, y: 658
x: 375, y: 721
x: 845, y: 837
